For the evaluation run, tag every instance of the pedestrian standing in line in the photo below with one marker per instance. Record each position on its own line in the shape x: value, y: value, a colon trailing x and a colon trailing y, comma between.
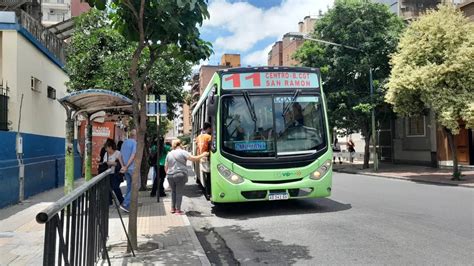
x: 203, y: 144
x: 152, y: 161
x: 129, y: 149
x: 336, y: 148
x: 177, y: 173
x: 351, y: 150
x: 119, y: 145
x: 113, y: 159
x: 163, y: 151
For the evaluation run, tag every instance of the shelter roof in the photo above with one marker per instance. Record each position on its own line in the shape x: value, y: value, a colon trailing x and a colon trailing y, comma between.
x: 95, y: 100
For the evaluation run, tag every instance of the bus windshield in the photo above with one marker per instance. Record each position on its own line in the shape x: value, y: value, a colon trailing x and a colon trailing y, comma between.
x: 279, y: 124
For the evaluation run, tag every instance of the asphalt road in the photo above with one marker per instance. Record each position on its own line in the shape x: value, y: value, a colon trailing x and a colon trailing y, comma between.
x: 367, y: 220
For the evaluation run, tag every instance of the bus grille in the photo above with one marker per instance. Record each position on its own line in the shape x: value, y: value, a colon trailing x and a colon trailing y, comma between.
x: 277, y: 181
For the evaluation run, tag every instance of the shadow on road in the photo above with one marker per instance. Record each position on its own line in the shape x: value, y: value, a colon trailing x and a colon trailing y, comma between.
x: 248, y: 247
x: 243, y: 211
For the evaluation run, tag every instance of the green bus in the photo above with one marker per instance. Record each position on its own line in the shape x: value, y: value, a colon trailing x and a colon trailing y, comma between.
x: 270, y: 138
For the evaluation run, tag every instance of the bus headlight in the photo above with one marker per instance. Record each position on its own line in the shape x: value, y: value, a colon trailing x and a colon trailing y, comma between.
x: 322, y: 170
x: 229, y: 175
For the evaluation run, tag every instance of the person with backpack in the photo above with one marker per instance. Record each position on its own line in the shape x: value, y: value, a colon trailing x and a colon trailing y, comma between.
x: 177, y: 173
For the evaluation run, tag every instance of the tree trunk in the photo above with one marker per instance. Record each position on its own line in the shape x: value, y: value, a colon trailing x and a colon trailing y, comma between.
x: 140, y: 118
x: 366, y: 152
x: 456, y: 172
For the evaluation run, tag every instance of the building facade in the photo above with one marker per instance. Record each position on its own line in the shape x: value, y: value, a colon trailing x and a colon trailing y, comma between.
x: 56, y: 11
x: 282, y: 51
x: 33, y: 78
x: 420, y: 140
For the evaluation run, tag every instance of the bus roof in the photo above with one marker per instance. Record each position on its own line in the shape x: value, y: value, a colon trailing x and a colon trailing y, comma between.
x: 266, y: 69
x: 221, y: 72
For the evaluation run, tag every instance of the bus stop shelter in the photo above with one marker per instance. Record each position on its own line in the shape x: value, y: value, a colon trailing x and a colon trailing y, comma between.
x: 88, y: 103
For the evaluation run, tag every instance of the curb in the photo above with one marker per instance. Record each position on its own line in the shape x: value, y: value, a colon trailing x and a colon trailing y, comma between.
x: 200, y: 250
x: 403, y: 178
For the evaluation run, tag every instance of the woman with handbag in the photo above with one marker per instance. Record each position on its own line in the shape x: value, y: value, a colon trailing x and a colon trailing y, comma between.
x: 113, y: 160
x: 177, y: 173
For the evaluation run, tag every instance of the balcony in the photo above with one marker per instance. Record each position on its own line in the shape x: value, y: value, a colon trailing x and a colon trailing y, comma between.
x: 45, y: 37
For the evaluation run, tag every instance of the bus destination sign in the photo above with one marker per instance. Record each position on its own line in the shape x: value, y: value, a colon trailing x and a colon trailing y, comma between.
x: 270, y: 80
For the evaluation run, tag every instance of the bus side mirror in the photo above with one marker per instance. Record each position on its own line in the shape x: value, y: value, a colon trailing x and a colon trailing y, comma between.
x: 212, y: 102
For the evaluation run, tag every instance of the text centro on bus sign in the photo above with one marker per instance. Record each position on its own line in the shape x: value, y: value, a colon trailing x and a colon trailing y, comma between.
x: 268, y: 80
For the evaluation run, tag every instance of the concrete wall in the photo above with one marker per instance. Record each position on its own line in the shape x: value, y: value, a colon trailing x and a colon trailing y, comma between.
x: 78, y: 7
x: 415, y: 149
x: 289, y: 47
x: 275, y: 56
x: 231, y: 60
x: 467, y: 7
x: 42, y: 119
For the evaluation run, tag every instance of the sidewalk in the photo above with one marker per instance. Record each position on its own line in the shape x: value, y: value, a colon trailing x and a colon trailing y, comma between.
x: 163, y: 238
x: 412, y: 173
x: 21, y: 237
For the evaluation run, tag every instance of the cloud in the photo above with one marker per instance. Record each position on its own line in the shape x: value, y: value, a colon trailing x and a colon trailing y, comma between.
x: 248, y: 24
x: 257, y: 58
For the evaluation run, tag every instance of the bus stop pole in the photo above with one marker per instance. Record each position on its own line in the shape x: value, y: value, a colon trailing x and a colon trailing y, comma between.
x: 158, y: 153
x: 69, y: 156
x: 88, y: 150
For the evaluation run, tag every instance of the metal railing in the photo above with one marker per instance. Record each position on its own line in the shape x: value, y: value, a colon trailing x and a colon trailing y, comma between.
x: 76, y: 226
x: 48, y: 39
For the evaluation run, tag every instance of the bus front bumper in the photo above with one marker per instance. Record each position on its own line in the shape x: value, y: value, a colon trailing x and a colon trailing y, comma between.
x: 225, y: 192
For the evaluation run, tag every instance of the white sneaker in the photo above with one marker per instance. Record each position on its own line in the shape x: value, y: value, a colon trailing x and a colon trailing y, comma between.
x: 124, y: 209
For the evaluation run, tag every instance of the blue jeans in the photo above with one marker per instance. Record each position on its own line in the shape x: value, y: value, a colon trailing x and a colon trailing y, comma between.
x: 126, y: 200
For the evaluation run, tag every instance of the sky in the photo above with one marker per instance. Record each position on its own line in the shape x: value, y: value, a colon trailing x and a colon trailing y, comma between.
x: 251, y: 27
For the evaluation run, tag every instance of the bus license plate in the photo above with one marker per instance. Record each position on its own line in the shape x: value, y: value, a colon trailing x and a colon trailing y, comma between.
x: 278, y: 196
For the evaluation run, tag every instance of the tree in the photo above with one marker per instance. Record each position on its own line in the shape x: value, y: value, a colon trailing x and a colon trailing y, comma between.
x: 433, y: 68
x: 98, y: 56
x: 160, y: 29
x: 374, y: 30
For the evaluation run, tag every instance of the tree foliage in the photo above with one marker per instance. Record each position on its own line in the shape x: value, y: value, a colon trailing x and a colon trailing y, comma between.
x: 373, y: 30
x: 99, y: 57
x: 433, y: 68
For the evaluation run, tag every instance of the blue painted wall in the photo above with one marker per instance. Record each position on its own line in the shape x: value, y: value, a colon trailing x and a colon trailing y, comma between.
x: 44, y: 165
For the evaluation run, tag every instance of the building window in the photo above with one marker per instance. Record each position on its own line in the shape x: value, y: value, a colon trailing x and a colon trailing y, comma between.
x: 416, y: 126
x: 3, y: 108
x: 51, y: 93
x: 35, y: 84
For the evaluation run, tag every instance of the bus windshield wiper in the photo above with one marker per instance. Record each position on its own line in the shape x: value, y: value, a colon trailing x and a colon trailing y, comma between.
x: 250, y: 106
x: 293, y: 100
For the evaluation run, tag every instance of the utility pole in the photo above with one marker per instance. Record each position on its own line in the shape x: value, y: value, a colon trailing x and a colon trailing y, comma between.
x: 374, y: 138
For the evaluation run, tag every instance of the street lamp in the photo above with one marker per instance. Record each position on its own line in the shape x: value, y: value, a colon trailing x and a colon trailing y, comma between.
x: 298, y: 35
